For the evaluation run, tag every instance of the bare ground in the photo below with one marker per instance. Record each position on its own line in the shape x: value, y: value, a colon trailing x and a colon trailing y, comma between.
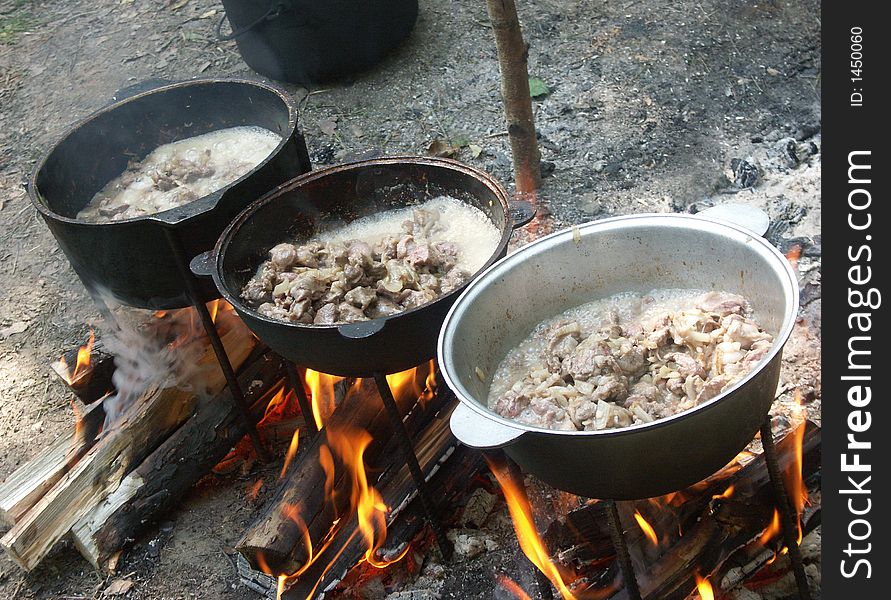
x: 650, y: 103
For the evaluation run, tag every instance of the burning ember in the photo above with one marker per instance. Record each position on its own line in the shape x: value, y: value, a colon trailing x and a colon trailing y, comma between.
x: 513, y: 587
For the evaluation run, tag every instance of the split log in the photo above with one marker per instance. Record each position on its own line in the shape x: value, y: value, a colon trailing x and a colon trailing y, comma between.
x: 31, y: 481
x: 512, y: 55
x: 275, y: 539
x: 168, y: 472
x: 144, y: 425
x: 448, y: 467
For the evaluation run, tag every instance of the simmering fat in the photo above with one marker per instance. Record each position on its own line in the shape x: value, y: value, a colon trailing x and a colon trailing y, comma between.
x: 180, y: 172
x: 629, y: 358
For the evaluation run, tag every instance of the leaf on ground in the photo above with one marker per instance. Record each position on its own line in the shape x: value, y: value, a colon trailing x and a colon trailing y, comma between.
x: 441, y: 149
x: 118, y: 587
x: 461, y: 141
x: 538, y: 88
x: 176, y: 5
x: 17, y: 327
x: 475, y: 150
x: 328, y: 126
x: 208, y: 14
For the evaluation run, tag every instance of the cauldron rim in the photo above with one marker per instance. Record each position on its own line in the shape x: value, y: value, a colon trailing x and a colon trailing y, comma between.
x: 182, y: 213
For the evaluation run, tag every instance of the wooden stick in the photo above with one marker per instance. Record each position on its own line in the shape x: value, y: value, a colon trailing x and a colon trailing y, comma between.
x: 146, y: 423
x: 512, y: 55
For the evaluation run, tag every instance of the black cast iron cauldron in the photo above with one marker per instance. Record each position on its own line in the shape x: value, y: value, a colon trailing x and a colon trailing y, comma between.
x: 343, y: 193
x: 131, y: 259
x: 309, y: 41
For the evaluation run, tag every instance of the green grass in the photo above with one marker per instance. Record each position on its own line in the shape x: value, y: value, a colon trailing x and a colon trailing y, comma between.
x: 15, y: 22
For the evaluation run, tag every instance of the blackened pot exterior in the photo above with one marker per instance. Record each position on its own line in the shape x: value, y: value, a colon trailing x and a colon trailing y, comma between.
x: 596, y: 260
x: 131, y: 259
x: 308, y: 41
x: 341, y: 194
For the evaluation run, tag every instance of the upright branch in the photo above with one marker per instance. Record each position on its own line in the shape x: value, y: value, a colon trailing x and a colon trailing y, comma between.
x: 512, y: 54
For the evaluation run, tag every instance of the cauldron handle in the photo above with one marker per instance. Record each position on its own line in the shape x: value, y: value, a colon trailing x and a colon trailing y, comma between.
x: 477, y: 431
x: 521, y: 213
x: 203, y: 265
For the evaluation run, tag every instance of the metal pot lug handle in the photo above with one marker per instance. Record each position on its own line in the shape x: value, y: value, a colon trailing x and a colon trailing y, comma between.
x: 521, y: 212
x: 476, y: 431
x: 203, y: 265
x: 362, y: 329
x: 748, y: 217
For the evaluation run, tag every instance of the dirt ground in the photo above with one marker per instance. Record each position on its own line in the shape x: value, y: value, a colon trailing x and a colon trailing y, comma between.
x: 653, y: 106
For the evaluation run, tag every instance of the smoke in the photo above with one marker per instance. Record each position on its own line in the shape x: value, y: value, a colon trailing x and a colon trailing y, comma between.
x: 152, y: 351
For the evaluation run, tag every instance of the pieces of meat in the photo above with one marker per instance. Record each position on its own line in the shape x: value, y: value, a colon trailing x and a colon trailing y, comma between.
x: 617, y: 373
x: 722, y: 303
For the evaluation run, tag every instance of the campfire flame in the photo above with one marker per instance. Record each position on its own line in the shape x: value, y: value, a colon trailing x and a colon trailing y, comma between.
x: 725, y: 494
x: 292, y: 451
x: 793, y: 476
x: 342, y: 459
x: 321, y: 389
x: 83, y: 360
x: 350, y: 445
x: 704, y: 588
x: 524, y: 526
x: 646, y: 528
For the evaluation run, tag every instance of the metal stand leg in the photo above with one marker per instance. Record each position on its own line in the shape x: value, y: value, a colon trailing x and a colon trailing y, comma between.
x: 787, y: 516
x: 621, y: 547
x: 300, y: 391
x: 541, y: 580
x: 217, y: 344
x: 412, y: 461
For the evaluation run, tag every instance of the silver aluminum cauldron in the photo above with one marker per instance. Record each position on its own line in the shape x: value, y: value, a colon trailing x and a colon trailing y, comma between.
x: 595, y: 260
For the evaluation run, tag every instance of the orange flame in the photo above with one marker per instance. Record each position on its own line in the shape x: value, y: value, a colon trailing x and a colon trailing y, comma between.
x: 704, y: 588
x: 725, y: 494
x: 646, y: 528
x: 321, y: 389
x: 83, y: 356
x: 83, y: 360
x: 770, y: 532
x: 793, y: 476
x: 527, y: 535
x: 513, y: 587
x: 371, y: 511
x: 292, y: 451
x: 276, y: 407
x: 212, y: 307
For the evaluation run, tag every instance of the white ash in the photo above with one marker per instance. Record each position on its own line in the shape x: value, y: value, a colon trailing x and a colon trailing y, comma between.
x: 478, y: 508
x: 469, y: 543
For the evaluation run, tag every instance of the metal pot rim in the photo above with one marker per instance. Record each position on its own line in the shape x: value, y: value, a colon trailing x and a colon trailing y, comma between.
x: 195, y: 207
x: 226, y: 237
x: 542, y: 244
